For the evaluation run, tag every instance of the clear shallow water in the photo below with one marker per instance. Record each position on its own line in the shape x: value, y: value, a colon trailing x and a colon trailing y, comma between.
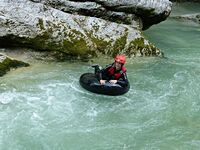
x: 44, y: 107
x: 185, y: 8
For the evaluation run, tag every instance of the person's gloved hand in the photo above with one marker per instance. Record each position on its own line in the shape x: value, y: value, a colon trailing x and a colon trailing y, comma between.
x: 113, y: 81
x: 102, y: 81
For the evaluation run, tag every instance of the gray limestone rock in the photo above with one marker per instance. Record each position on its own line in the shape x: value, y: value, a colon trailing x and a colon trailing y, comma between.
x: 123, y: 11
x: 40, y: 25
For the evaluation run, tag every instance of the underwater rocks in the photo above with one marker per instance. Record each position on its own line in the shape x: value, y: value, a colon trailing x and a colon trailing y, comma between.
x: 66, y: 26
x: 6, y: 63
x: 185, y: 1
x: 189, y: 17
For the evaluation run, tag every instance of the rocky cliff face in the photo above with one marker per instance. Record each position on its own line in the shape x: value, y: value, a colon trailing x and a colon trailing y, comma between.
x: 81, y: 28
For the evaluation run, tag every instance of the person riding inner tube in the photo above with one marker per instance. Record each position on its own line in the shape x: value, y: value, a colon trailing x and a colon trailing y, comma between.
x: 114, y: 73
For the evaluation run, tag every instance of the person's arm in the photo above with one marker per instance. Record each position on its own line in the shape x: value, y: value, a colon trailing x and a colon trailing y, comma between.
x: 103, y: 73
x: 123, y: 81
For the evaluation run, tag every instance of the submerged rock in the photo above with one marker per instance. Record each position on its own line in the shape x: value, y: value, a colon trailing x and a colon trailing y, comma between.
x: 60, y: 26
x: 185, y: 1
x: 6, y: 63
x: 189, y: 17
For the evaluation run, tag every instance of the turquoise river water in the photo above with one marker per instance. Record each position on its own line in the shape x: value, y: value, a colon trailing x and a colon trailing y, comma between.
x: 43, y: 107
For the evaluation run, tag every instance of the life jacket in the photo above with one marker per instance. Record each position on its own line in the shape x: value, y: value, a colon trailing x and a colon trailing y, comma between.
x: 116, y: 75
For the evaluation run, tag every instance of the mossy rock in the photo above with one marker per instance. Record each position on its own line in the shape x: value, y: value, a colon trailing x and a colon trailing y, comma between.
x: 119, y: 44
x: 138, y: 47
x: 7, y: 63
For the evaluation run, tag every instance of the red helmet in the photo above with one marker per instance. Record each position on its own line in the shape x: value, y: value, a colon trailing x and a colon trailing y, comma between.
x: 121, y: 59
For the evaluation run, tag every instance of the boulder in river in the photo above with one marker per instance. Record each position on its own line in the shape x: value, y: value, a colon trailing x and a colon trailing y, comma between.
x: 82, y: 28
x: 6, y: 63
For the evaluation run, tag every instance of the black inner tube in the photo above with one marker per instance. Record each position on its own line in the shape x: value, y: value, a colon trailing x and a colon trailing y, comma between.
x: 90, y: 82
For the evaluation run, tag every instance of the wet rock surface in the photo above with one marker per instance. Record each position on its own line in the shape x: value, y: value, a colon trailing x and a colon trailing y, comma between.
x: 6, y: 63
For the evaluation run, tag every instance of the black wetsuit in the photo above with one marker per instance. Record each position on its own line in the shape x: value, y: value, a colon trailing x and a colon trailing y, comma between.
x: 103, y: 74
